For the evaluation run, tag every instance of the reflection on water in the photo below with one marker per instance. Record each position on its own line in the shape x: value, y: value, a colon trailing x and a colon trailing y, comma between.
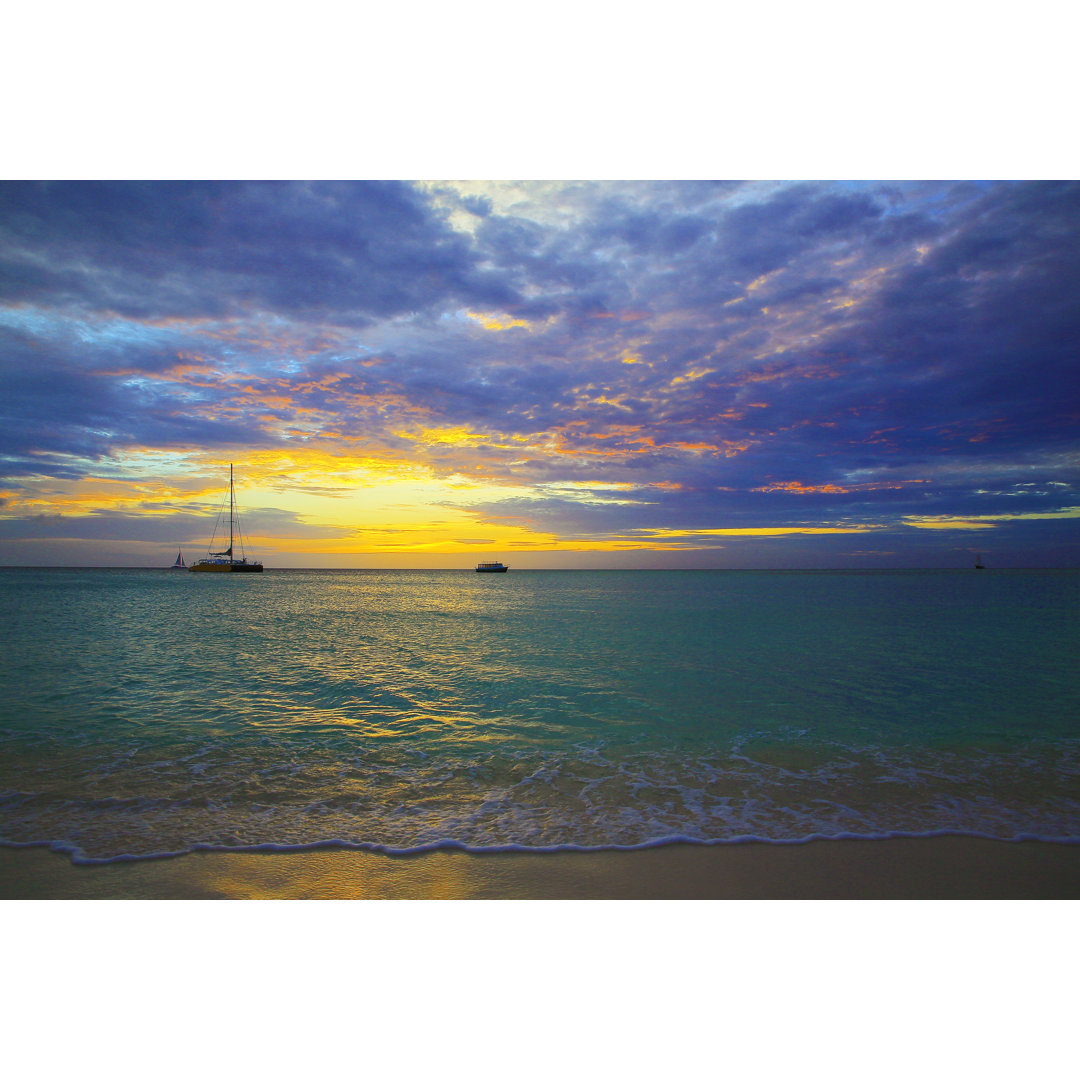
x: 154, y: 712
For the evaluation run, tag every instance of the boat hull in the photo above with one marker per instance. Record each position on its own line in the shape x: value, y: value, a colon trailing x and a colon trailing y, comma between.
x: 492, y: 569
x: 222, y: 562
x: 226, y: 568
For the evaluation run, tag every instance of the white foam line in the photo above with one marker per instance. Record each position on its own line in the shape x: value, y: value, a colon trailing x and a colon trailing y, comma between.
x: 78, y: 858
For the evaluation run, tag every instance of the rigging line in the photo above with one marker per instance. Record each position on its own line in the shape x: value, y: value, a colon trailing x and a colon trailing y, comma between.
x: 239, y: 532
x: 217, y: 521
x: 240, y: 535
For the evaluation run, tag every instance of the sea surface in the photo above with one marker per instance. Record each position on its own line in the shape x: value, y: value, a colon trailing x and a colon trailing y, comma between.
x: 145, y: 712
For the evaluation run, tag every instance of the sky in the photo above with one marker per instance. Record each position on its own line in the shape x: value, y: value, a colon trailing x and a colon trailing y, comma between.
x: 778, y: 374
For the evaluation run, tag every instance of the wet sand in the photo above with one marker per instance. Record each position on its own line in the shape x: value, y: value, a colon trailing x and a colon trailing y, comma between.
x: 939, y: 868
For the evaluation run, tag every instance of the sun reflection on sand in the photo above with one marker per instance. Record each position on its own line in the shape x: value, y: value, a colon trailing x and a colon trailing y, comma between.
x: 948, y: 867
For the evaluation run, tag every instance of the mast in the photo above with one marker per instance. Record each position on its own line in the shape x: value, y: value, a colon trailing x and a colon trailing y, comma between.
x: 230, y: 511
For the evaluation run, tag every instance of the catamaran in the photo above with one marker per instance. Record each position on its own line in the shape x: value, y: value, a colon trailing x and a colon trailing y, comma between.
x: 222, y: 562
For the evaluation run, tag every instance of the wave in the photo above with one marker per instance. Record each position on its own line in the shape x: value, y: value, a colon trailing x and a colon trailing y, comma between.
x: 119, y: 804
x: 79, y: 858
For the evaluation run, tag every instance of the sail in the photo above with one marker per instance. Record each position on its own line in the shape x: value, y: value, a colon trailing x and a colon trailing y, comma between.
x: 225, y: 561
x: 179, y: 564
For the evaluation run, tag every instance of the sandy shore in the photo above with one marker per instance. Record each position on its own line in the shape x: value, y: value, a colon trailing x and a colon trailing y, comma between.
x: 933, y: 868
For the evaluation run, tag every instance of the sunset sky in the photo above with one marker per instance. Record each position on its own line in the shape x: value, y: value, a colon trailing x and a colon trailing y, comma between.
x: 577, y: 374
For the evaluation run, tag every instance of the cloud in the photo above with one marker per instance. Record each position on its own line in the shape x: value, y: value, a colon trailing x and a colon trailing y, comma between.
x: 345, y: 252
x: 743, y: 356
x: 174, y: 528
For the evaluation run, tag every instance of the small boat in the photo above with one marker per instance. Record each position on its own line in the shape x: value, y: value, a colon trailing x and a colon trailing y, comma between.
x: 491, y: 568
x: 222, y: 562
x: 179, y: 564
x: 979, y: 563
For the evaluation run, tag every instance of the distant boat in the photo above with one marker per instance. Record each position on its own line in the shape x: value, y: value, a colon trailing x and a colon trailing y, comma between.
x: 491, y: 568
x: 179, y: 564
x: 979, y: 563
x: 222, y: 562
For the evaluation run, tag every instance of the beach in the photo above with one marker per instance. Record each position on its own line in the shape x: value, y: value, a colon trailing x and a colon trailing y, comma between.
x: 925, y: 868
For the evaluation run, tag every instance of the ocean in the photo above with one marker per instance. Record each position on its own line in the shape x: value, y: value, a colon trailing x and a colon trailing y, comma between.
x: 152, y: 712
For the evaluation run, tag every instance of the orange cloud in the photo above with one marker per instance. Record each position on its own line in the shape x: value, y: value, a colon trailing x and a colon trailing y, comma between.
x: 774, y: 371
x: 797, y: 488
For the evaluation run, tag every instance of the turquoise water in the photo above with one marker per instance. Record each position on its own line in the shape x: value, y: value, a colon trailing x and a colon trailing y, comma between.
x: 149, y: 711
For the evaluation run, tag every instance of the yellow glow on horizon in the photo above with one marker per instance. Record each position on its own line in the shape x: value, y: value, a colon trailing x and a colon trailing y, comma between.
x: 350, y: 513
x: 988, y: 521
x: 785, y: 530
x: 338, y: 498
x: 949, y: 523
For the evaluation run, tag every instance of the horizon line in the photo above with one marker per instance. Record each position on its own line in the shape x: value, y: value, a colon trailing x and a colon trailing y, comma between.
x: 559, y: 569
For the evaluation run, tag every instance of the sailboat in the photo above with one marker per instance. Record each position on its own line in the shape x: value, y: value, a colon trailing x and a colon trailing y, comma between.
x: 179, y: 564
x: 222, y: 562
x: 979, y: 563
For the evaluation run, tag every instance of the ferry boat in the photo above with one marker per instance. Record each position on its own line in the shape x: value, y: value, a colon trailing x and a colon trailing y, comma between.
x: 179, y: 564
x: 222, y: 562
x: 491, y: 568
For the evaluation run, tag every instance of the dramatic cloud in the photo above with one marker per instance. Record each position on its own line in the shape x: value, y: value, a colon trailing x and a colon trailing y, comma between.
x: 154, y: 250
x: 709, y: 374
